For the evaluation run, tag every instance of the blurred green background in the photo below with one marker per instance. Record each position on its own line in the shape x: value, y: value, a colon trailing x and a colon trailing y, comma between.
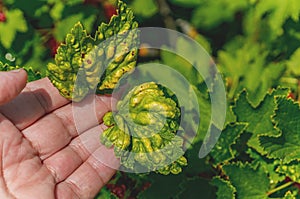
x: 255, y: 44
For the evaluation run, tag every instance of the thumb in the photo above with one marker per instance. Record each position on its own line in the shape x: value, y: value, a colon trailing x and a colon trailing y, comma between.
x: 11, y: 84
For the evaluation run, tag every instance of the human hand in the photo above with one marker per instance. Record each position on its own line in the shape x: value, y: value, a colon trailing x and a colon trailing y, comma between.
x: 43, y: 154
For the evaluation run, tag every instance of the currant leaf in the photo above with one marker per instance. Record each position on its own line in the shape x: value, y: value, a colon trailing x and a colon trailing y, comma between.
x: 119, y: 39
x: 15, y: 23
x: 85, y: 64
x: 287, y: 120
x: 266, y: 165
x: 68, y: 65
x: 291, y: 170
x: 289, y: 195
x: 31, y: 75
x: 245, y: 179
x: 258, y: 118
x: 222, y: 151
x: 225, y: 189
x: 245, y: 65
x: 274, y: 14
x: 147, y: 130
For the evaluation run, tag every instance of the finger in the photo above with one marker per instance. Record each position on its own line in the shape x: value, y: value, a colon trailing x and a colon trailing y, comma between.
x: 55, y: 130
x: 11, y: 84
x: 66, y: 161
x: 37, y: 99
x: 90, y: 177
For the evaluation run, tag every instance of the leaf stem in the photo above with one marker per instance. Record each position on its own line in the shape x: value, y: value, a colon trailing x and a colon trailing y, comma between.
x: 280, y: 187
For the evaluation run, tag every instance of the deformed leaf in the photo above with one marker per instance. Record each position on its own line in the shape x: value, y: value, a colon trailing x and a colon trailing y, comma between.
x: 67, y: 68
x: 143, y: 130
x: 85, y: 64
x: 119, y: 41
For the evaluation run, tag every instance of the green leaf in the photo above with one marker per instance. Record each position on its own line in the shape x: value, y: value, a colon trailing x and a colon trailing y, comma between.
x: 249, y: 183
x: 32, y: 75
x: 291, y: 170
x: 266, y: 165
x: 225, y: 189
x: 289, y: 195
x: 230, y: 116
x: 287, y: 120
x: 293, y: 64
x: 63, y: 26
x: 144, y: 8
x: 105, y: 194
x: 245, y: 65
x: 222, y: 151
x: 57, y: 10
x: 273, y: 14
x: 198, y: 85
x: 208, y: 15
x: 30, y: 9
x: 258, y: 118
x: 15, y: 23
x: 181, y: 65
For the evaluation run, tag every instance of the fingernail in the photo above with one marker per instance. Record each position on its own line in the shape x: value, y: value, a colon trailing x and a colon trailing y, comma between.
x: 16, y: 71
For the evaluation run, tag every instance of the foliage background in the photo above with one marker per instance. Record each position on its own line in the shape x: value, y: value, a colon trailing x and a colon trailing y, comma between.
x: 256, y: 46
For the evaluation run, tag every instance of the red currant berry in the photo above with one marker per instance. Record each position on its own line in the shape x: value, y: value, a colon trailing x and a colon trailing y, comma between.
x: 109, y: 10
x: 2, y: 17
x: 53, y: 45
x: 291, y: 96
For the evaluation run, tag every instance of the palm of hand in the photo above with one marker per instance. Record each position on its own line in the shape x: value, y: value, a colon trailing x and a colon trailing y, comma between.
x: 43, y: 154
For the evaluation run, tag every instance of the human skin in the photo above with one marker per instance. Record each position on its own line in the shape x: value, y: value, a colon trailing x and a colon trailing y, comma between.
x: 43, y: 154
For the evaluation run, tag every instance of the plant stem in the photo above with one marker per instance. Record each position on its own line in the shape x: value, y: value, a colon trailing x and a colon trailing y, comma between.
x: 280, y: 187
x: 165, y: 12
